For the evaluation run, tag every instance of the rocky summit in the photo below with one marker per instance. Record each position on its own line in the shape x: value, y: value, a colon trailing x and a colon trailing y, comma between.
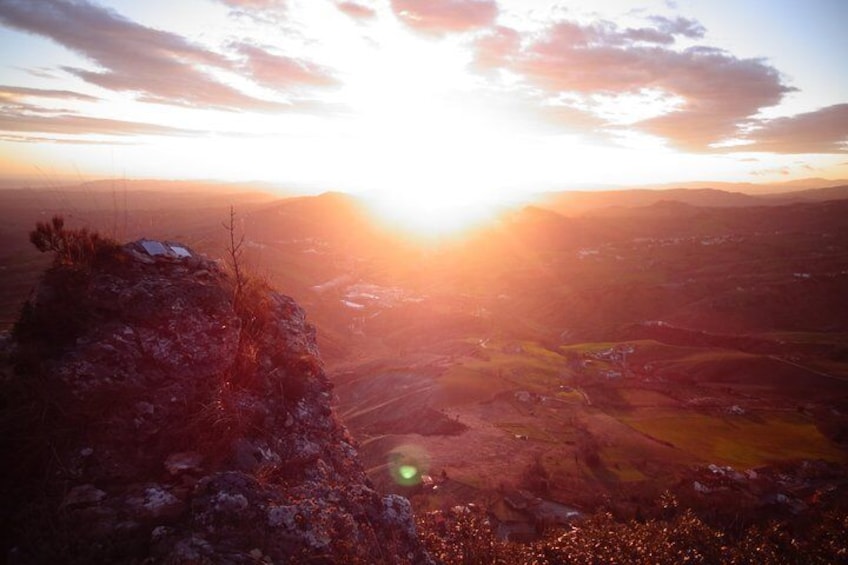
x: 155, y: 411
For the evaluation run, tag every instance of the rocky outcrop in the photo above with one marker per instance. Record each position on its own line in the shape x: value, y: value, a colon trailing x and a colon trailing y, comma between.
x: 147, y: 420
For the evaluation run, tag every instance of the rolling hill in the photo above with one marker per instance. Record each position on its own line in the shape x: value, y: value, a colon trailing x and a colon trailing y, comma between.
x: 589, y: 348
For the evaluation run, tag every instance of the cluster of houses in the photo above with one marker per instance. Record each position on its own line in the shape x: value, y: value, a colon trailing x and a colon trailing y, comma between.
x: 614, y: 359
x: 360, y: 296
x: 617, y: 354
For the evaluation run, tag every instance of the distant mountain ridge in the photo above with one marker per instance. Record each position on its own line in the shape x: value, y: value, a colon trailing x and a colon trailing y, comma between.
x: 571, y: 203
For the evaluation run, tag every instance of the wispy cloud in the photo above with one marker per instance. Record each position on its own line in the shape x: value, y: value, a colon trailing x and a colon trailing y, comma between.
x: 679, y: 26
x: 160, y: 66
x: 61, y: 141
x: 256, y: 4
x: 497, y: 48
x: 357, y: 11
x: 822, y: 131
x: 443, y: 16
x: 18, y: 114
x: 782, y: 171
x: 717, y: 90
x: 14, y: 92
x: 268, y: 11
x: 8, y: 93
x: 279, y: 71
x: 81, y: 125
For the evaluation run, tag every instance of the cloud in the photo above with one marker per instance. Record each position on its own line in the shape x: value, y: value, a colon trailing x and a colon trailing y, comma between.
x: 495, y: 48
x: 783, y: 171
x: 281, y: 72
x: 720, y: 92
x: 255, y: 4
x: 443, y: 16
x: 647, y: 35
x: 161, y: 66
x: 357, y: 11
x: 679, y: 26
x: 18, y: 115
x: 72, y: 124
x: 64, y: 141
x: 265, y: 11
x: 716, y: 90
x: 822, y: 131
x: 16, y: 92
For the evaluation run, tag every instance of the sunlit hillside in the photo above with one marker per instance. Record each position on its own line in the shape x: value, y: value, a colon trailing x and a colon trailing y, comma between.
x: 577, y: 271
x: 578, y: 361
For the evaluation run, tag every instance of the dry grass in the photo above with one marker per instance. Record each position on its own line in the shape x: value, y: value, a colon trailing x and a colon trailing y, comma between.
x: 739, y: 441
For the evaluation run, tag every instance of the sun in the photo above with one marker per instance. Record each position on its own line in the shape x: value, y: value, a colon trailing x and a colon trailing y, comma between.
x: 432, y: 153
x: 437, y: 174
x: 432, y: 215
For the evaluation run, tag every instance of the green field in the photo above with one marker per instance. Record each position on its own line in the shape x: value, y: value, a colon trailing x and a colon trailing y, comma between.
x: 739, y: 441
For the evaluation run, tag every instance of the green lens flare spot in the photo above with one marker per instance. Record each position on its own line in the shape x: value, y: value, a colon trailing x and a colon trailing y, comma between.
x: 407, y: 464
x: 407, y: 471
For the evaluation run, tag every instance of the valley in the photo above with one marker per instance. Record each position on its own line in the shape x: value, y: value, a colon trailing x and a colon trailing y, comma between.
x: 574, y: 362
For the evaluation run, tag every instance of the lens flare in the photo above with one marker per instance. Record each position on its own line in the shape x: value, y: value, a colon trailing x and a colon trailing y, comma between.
x: 407, y: 464
x: 408, y: 472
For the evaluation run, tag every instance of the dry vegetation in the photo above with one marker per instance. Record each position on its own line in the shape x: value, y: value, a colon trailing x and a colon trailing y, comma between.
x: 523, y: 310
x: 465, y: 536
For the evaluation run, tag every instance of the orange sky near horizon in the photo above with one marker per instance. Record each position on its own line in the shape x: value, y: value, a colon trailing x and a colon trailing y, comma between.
x: 426, y: 101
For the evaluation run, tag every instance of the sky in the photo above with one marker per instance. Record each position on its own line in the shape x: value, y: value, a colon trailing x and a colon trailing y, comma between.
x: 424, y: 99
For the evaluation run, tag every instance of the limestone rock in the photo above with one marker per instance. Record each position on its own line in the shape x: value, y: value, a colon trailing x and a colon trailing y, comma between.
x: 148, y: 421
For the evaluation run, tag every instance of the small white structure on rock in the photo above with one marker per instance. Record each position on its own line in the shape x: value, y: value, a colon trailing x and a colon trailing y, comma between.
x: 168, y: 249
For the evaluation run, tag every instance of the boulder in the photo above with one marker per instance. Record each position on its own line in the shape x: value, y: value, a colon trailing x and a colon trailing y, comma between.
x: 148, y: 420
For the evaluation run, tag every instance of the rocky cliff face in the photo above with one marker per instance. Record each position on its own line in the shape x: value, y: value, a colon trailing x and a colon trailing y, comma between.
x: 146, y: 420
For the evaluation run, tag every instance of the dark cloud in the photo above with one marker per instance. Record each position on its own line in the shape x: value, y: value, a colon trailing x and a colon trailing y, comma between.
x: 357, y: 11
x: 718, y: 90
x: 442, y: 16
x: 281, y: 72
x: 821, y: 131
x: 160, y: 66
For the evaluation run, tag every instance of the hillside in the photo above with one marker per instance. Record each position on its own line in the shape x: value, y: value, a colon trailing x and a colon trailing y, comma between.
x: 148, y: 416
x: 511, y: 343
x: 592, y: 361
x: 577, y: 203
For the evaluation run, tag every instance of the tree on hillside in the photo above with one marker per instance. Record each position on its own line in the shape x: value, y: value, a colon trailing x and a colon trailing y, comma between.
x: 235, y: 251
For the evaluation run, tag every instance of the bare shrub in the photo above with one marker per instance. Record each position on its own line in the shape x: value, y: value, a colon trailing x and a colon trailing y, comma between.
x: 74, y: 247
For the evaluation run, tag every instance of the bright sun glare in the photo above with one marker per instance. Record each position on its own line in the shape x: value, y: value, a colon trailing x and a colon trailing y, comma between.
x: 431, y: 215
x: 436, y: 154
